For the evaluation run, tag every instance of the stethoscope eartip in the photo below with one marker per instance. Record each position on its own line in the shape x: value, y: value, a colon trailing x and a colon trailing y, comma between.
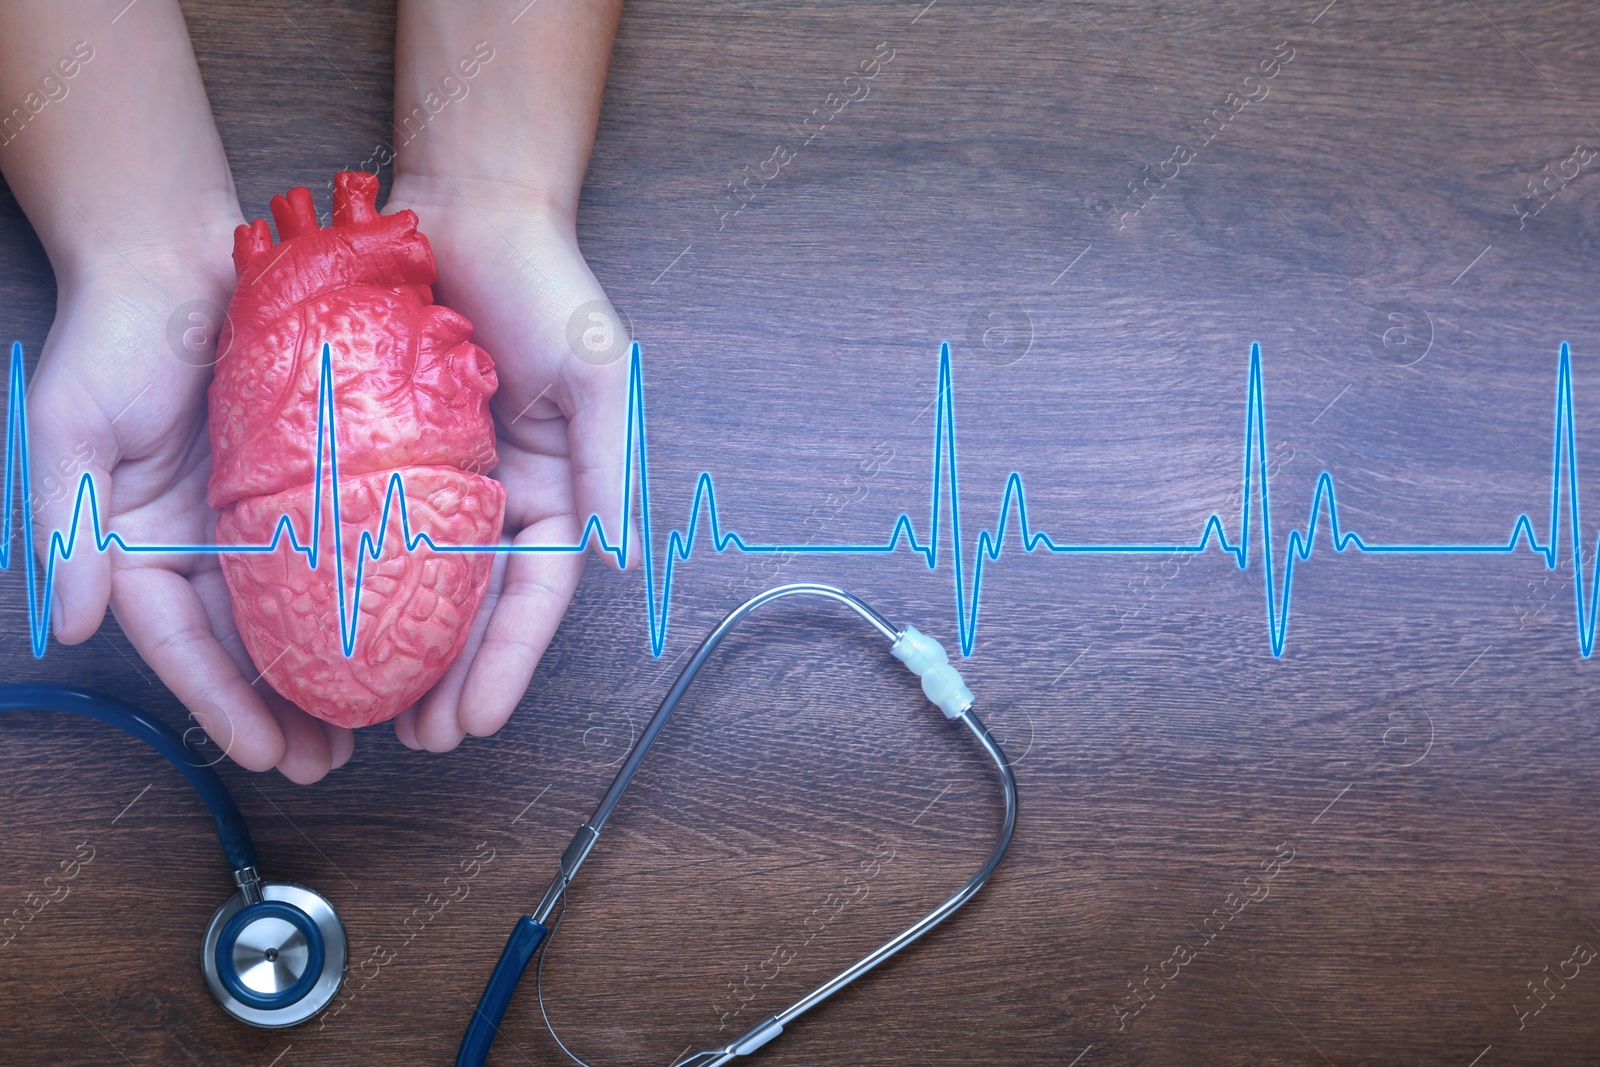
x: 278, y: 961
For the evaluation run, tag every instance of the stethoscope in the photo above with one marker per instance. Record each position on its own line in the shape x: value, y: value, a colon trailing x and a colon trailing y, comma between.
x: 942, y: 684
x: 274, y: 953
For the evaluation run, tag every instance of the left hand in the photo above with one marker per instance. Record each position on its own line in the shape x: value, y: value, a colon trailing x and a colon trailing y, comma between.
x: 515, y: 271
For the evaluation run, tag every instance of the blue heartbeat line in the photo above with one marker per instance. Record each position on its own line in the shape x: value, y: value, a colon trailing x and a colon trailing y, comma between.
x: 945, y: 497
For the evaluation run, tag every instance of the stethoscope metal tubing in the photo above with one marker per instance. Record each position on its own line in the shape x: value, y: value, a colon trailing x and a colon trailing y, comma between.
x: 532, y: 930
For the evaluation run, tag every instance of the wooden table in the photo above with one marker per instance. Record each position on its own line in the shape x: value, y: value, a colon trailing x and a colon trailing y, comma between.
x: 1424, y: 748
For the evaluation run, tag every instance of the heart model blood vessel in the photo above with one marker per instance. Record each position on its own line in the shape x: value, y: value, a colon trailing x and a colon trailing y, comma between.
x: 411, y: 394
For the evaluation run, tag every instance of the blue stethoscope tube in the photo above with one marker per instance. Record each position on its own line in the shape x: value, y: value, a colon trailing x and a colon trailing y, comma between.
x: 231, y: 829
x: 526, y: 937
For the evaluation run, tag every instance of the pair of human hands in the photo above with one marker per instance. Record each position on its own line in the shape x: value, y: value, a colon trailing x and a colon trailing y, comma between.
x: 112, y: 397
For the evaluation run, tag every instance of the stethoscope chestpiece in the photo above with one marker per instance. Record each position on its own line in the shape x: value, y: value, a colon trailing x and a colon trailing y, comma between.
x: 278, y: 961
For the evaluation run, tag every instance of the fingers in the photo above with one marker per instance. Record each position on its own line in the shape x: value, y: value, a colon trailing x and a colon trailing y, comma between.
x: 405, y: 728
x: 537, y: 589
x: 595, y: 401
x: 437, y: 728
x: 341, y: 744
x: 312, y: 747
x: 307, y: 749
x: 162, y: 614
x: 61, y: 450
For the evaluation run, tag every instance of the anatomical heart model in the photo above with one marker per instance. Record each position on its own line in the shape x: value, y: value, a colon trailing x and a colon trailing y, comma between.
x: 410, y: 398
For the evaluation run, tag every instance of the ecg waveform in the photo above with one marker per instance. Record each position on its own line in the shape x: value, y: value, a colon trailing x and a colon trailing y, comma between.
x: 945, y: 500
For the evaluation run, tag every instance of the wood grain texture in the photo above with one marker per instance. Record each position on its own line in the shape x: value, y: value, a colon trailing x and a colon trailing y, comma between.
x: 1163, y: 752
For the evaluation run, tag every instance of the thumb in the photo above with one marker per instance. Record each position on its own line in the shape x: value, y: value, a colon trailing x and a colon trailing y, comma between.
x: 595, y: 402
x: 594, y: 388
x: 69, y: 465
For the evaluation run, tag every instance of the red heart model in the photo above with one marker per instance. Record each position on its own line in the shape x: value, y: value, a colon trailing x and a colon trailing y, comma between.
x: 411, y: 394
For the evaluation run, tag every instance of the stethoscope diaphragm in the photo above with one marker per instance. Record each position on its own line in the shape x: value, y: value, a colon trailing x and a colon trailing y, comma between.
x: 278, y: 961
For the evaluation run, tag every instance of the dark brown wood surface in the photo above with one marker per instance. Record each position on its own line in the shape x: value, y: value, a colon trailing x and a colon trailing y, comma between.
x: 1426, y: 745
